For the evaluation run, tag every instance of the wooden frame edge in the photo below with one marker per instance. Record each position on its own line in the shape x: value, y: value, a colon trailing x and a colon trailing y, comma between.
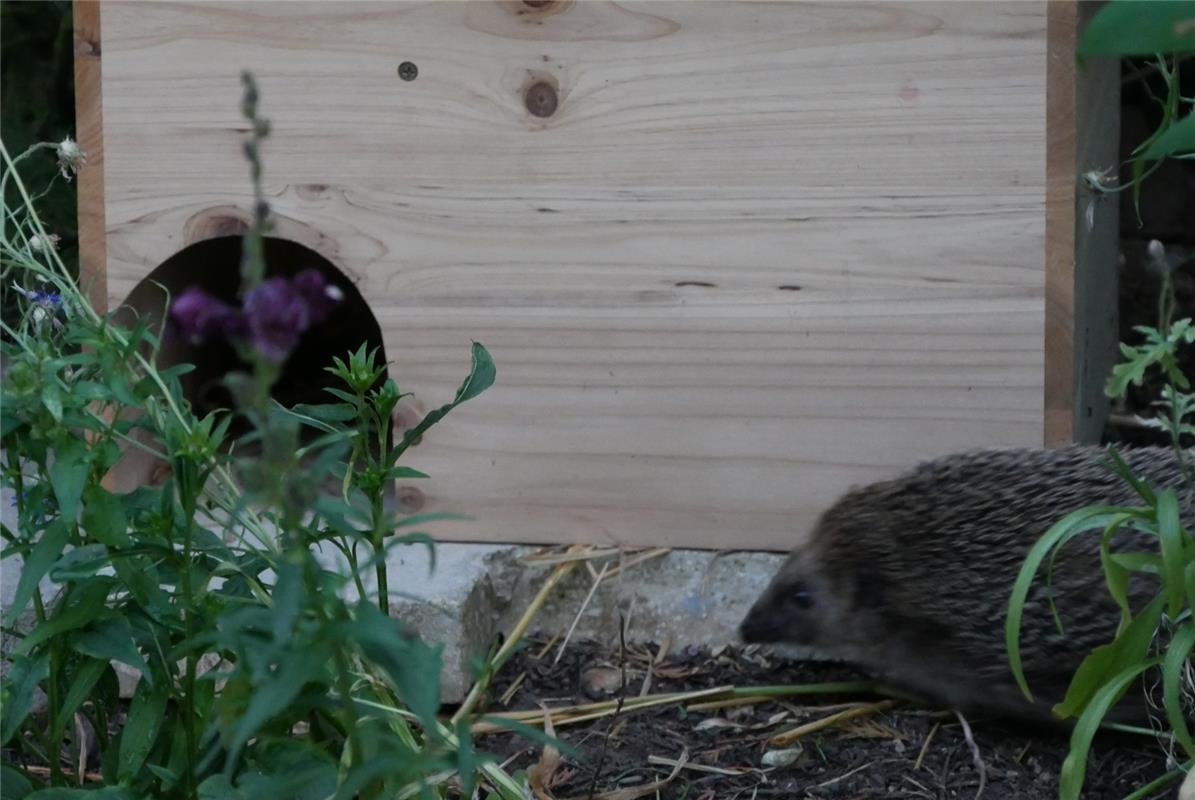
x: 1062, y: 29
x: 89, y: 131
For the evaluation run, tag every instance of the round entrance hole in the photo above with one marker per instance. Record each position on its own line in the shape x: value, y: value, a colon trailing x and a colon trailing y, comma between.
x: 214, y: 266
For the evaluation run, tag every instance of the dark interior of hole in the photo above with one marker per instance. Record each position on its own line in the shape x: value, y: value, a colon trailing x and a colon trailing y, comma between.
x: 214, y: 265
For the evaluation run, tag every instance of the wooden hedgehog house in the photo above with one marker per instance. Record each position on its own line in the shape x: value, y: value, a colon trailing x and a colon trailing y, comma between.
x: 729, y: 258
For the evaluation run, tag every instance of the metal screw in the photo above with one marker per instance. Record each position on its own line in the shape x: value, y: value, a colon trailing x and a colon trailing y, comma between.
x: 408, y: 71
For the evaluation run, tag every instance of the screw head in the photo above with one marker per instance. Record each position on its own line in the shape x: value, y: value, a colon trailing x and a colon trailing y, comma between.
x: 408, y: 71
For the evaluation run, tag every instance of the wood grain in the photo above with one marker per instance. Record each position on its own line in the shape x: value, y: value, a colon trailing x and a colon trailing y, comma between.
x: 758, y: 253
x: 89, y: 132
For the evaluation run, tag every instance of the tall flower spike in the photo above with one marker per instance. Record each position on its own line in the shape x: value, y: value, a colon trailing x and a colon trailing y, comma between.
x: 277, y: 315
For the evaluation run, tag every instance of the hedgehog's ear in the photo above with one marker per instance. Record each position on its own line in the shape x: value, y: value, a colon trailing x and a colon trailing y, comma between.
x: 869, y: 589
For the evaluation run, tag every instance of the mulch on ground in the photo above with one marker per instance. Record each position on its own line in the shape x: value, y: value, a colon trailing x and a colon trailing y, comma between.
x: 902, y: 752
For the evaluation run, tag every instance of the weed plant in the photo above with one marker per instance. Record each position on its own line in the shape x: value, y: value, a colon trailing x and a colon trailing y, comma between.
x: 265, y: 671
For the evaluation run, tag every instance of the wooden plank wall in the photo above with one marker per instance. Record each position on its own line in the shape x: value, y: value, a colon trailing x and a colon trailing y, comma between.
x: 742, y: 257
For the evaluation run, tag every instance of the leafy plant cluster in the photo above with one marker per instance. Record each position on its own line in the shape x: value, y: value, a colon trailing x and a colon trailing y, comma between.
x: 266, y: 669
x: 1163, y: 33
x: 1156, y: 640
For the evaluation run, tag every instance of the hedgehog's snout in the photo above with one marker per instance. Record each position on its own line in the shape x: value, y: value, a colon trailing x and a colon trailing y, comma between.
x: 761, y: 625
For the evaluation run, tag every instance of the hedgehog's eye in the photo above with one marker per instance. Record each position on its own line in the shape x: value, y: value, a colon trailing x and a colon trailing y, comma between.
x: 801, y: 597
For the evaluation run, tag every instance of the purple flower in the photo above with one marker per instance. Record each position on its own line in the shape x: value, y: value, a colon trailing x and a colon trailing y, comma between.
x: 321, y: 297
x: 200, y: 316
x: 277, y: 314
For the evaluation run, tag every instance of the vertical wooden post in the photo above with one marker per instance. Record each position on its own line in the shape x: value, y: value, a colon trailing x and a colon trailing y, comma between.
x: 1082, y: 229
x: 89, y: 131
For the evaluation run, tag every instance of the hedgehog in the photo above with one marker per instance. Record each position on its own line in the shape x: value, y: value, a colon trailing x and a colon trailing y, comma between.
x: 910, y: 578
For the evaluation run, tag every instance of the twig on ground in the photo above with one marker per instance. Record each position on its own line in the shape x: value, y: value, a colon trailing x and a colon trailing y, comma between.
x: 509, y: 694
x: 976, y: 756
x: 791, y: 735
x: 731, y: 771
x: 622, y: 696
x: 925, y: 747
x: 597, y: 581
x: 635, y: 792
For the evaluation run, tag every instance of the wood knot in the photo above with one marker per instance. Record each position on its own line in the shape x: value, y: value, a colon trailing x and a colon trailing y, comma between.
x: 541, y: 99
x: 215, y: 223
x: 410, y: 499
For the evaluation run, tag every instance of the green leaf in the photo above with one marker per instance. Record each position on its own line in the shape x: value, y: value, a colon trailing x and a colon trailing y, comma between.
x: 80, y: 563
x: 327, y: 412
x: 1115, y: 574
x: 1177, y: 139
x: 87, y: 606
x: 293, y: 769
x: 430, y: 516
x: 13, y: 785
x: 219, y: 787
x: 1122, y: 469
x: 1150, y: 563
x: 398, y: 473
x: 534, y: 734
x: 1170, y: 534
x: 1135, y: 28
x: 1073, y: 524
x: 141, y: 730
x: 51, y: 398
x: 1104, y: 662
x: 19, y: 687
x: 84, y: 679
x: 43, y: 556
x: 104, y: 517
x: 1189, y: 576
x: 481, y: 377
x: 113, y: 640
x: 69, y: 474
x: 288, y: 597
x: 1174, y: 663
x: 271, y: 698
x: 106, y: 793
x: 412, y: 666
x: 1074, y: 768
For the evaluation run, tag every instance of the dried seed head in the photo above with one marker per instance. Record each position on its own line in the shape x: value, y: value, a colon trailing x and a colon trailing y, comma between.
x: 70, y: 157
x: 38, y: 244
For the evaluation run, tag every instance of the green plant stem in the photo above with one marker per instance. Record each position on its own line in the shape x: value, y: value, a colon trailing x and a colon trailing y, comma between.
x: 350, y: 554
x: 344, y: 689
x: 53, y: 743
x: 185, y: 488
x: 1166, y: 303
x: 378, y: 541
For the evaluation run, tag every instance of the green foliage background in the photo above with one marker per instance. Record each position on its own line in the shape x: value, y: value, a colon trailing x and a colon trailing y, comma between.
x: 37, y: 104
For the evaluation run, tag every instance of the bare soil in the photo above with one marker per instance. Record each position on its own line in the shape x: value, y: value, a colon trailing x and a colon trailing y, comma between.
x: 904, y: 752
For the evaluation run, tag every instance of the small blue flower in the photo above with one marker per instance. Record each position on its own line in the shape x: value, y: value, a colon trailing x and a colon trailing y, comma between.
x: 51, y: 299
